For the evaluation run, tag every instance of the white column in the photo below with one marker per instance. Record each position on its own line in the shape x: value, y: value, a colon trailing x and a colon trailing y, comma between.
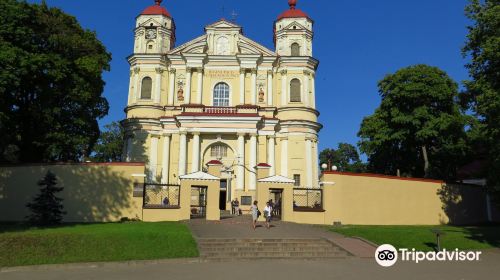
x: 128, y: 156
x: 242, y: 86
x: 241, y: 162
x: 284, y: 88
x: 182, y: 153
x: 306, y: 95
x: 313, y: 91
x: 199, y: 96
x: 309, y: 167
x: 284, y: 157
x: 253, y: 161
x: 153, y: 158
x: 271, y: 155
x: 254, y: 87
x: 187, y: 98
x: 270, y: 88
x: 165, y: 159
x: 130, y: 88
x: 195, y: 160
x: 315, y: 161
x: 157, y: 94
x: 171, y: 87
x: 136, y: 85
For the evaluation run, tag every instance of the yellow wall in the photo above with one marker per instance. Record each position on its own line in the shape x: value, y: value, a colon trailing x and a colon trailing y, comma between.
x: 92, y: 192
x: 376, y: 200
x: 213, y: 189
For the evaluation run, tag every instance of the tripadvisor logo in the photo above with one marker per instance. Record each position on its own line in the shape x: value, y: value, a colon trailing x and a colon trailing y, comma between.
x: 387, y: 255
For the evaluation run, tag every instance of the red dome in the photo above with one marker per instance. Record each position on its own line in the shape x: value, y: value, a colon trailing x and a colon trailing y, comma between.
x: 293, y: 12
x: 156, y: 9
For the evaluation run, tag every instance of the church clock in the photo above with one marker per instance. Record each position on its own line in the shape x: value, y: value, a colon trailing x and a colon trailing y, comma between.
x: 151, y: 33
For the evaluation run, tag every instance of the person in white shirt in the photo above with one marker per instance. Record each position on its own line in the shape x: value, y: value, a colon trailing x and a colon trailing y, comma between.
x: 267, y: 214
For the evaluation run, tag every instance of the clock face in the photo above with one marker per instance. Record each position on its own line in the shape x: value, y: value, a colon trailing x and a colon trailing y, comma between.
x: 151, y: 34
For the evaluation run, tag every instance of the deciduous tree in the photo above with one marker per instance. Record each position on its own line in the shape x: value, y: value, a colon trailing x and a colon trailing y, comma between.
x: 345, y: 157
x: 418, y: 127
x: 50, y: 84
x: 109, y: 146
x: 482, y: 93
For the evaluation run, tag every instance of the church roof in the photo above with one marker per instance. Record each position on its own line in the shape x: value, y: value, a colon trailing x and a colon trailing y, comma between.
x: 156, y: 9
x: 293, y: 12
x: 200, y: 175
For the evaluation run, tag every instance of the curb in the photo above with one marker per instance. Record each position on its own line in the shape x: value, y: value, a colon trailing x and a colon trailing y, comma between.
x: 366, y: 241
x: 69, y: 266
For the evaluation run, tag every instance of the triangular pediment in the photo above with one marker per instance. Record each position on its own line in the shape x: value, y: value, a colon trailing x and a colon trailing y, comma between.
x: 295, y: 26
x: 278, y: 179
x: 222, y: 24
x: 197, y: 45
x: 200, y: 175
x: 222, y: 35
x: 150, y: 21
x: 248, y: 46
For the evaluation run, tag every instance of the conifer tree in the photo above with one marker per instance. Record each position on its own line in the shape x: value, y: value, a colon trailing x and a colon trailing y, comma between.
x: 47, y: 208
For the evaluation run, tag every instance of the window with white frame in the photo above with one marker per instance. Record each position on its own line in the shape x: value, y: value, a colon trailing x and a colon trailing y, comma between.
x: 221, y: 95
x: 218, y: 151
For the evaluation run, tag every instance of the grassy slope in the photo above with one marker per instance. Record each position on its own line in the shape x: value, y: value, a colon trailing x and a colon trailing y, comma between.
x: 421, y: 237
x: 95, y: 242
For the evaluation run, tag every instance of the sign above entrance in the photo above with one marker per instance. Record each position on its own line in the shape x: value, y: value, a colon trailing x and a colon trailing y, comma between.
x: 223, y: 74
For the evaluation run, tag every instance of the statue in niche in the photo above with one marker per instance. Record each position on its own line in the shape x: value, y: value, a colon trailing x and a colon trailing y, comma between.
x: 180, y: 92
x: 261, y: 95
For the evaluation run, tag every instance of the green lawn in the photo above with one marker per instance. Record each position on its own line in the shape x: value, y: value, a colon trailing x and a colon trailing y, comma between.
x: 421, y: 237
x: 95, y: 242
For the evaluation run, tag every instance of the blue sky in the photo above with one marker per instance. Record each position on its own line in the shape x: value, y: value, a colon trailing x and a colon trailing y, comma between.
x: 357, y: 43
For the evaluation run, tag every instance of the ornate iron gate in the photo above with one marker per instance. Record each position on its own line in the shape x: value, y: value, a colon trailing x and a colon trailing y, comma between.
x: 198, y: 202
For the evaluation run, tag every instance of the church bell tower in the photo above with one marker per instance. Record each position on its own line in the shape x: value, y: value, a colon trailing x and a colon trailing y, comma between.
x: 154, y: 30
x: 293, y: 32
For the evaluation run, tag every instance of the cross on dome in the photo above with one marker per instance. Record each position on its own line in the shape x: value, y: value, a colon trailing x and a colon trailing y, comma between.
x: 292, y: 4
x: 158, y: 2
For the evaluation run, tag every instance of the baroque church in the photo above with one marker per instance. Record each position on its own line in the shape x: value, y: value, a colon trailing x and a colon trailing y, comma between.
x: 224, y: 99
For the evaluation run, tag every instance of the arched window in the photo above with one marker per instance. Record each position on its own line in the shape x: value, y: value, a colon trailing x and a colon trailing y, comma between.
x: 295, y: 90
x: 221, y: 95
x: 295, y: 49
x: 146, y: 87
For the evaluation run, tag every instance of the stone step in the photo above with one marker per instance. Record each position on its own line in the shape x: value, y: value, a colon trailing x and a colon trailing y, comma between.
x: 222, y: 259
x: 249, y: 244
x: 234, y: 240
x: 270, y: 254
x: 256, y: 248
x: 270, y: 249
x: 277, y: 245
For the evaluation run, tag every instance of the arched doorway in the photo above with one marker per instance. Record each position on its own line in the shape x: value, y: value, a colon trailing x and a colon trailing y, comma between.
x: 224, y: 153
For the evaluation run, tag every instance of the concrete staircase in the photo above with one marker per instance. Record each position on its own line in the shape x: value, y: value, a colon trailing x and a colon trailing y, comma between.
x: 219, y: 249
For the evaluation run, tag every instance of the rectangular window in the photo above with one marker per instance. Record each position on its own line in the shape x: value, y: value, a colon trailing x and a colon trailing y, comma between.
x: 218, y: 151
x: 246, y: 200
x: 296, y: 177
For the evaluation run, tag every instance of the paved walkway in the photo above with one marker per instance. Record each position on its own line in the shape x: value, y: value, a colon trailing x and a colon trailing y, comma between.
x: 241, y: 227
x: 345, y: 269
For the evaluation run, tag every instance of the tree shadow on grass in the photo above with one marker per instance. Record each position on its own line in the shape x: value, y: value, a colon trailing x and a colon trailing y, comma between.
x: 485, y: 234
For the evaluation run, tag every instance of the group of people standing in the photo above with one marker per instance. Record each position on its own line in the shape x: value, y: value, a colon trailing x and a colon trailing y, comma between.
x: 235, y: 207
x: 268, y: 212
x: 271, y: 209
